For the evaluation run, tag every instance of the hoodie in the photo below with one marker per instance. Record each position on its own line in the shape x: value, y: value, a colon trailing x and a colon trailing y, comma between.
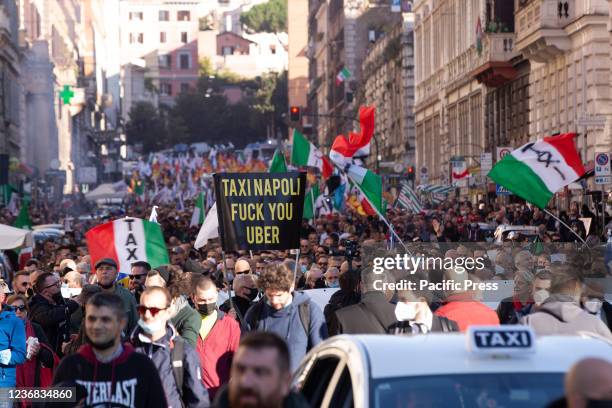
x: 194, y: 393
x: 129, y: 381
x: 287, y: 324
x: 561, y: 314
x: 12, y: 337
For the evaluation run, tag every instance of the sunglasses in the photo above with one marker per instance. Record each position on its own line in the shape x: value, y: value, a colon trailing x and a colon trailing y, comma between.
x: 142, y: 309
x: 132, y: 277
x: 58, y: 284
x: 20, y: 308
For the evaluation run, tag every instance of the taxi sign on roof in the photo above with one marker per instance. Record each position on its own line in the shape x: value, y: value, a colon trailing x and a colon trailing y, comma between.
x: 500, y: 339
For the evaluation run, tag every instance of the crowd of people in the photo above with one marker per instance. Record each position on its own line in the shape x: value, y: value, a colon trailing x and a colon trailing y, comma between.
x: 173, y: 335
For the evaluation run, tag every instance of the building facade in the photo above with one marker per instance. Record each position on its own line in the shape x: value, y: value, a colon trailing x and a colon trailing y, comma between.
x: 297, y: 20
x: 388, y: 83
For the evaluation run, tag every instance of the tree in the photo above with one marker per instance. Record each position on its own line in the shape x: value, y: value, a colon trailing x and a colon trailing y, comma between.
x: 146, y: 126
x: 270, y: 17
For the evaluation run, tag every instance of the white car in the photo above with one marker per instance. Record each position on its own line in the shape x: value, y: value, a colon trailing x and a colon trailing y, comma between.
x: 501, y: 366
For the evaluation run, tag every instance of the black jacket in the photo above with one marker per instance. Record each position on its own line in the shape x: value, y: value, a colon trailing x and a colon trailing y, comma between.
x: 337, y: 301
x: 131, y: 378
x: 606, y: 311
x: 54, y: 319
x: 194, y: 393
x: 373, y: 315
x: 439, y: 324
x: 240, y: 303
x: 293, y: 400
x: 508, y: 314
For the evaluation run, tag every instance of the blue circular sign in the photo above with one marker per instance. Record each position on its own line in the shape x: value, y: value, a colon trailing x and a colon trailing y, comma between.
x: 602, y: 159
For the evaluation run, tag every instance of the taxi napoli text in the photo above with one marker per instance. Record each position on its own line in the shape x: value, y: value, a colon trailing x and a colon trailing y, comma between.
x: 412, y: 264
x: 273, y: 212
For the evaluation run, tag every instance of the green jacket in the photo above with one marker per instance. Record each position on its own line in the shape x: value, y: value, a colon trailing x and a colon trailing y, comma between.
x: 129, y: 303
x: 188, y: 322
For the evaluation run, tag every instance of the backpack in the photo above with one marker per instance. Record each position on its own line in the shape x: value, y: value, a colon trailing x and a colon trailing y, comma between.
x: 446, y: 326
x: 303, y: 311
x: 177, y: 355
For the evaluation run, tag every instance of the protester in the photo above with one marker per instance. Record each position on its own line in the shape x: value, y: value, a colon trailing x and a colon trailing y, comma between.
x: 78, y: 320
x: 157, y: 277
x: 177, y: 361
x: 184, y: 318
x: 261, y: 375
x: 106, y: 361
x: 37, y: 370
x: 414, y: 315
x: 561, y: 312
x: 106, y: 275
x: 332, y: 277
x: 12, y: 346
x: 287, y: 313
x: 21, y: 282
x: 137, y: 278
x: 374, y: 314
x: 51, y: 311
x: 242, y: 266
x: 219, y: 336
x: 347, y: 295
x: 529, y: 293
x: 588, y: 383
x: 245, y: 290
x: 4, y: 291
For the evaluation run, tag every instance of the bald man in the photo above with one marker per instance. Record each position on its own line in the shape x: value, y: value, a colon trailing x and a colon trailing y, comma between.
x: 242, y: 266
x: 589, y: 383
x: 245, y: 291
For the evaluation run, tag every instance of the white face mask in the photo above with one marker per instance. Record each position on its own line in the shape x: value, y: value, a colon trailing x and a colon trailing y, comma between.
x: 593, y: 305
x: 406, y: 311
x: 539, y: 296
x: 150, y: 328
x: 68, y: 293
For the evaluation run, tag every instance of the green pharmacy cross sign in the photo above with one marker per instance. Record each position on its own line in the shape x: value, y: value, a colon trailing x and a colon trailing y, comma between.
x: 67, y: 94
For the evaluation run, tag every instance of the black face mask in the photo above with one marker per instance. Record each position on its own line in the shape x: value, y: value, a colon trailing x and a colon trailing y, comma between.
x: 253, y: 292
x: 206, y: 309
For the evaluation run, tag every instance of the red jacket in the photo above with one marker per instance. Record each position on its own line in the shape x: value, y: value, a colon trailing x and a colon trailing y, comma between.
x: 216, y: 352
x: 467, y: 313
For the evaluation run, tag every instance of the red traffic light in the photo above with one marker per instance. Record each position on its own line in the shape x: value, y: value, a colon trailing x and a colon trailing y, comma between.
x: 295, y: 113
x: 410, y: 169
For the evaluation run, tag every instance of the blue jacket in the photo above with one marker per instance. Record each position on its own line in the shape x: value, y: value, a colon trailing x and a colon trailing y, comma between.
x: 13, y: 337
x: 287, y: 324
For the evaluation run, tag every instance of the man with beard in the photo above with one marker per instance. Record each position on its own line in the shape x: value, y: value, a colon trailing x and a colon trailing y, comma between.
x: 260, y: 375
x: 112, y: 373
x: 106, y: 275
x: 137, y: 277
x: 50, y: 310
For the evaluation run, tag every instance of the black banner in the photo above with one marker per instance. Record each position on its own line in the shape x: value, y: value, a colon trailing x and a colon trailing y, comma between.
x: 260, y: 211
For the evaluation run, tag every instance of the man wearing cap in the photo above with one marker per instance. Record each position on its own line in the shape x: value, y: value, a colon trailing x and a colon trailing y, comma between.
x: 106, y: 275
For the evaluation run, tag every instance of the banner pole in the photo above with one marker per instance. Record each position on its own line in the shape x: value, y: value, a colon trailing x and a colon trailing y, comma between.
x: 297, y: 258
x: 564, y: 224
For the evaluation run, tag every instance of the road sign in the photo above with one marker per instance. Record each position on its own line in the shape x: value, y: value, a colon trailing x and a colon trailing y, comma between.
x: 501, y: 190
x: 501, y: 152
x: 603, y: 169
x: 486, y: 162
x: 424, y: 175
x: 592, y: 121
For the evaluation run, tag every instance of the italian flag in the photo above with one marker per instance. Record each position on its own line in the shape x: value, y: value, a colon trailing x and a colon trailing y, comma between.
x: 198, y: 212
x: 369, y: 184
x: 309, y: 202
x: 357, y: 144
x: 343, y: 76
x: 278, y: 165
x: 128, y: 240
x: 304, y: 153
x: 537, y: 170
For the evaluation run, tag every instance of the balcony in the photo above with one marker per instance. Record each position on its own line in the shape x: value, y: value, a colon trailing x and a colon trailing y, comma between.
x: 493, y: 65
x: 539, y: 28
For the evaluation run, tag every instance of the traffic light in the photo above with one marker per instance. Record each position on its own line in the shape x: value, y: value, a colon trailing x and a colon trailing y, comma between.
x: 295, y: 113
x: 411, y: 173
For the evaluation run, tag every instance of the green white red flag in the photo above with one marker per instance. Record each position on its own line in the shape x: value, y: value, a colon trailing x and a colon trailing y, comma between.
x: 198, y: 211
x: 370, y: 186
x: 304, y: 153
x: 537, y: 170
x: 128, y: 240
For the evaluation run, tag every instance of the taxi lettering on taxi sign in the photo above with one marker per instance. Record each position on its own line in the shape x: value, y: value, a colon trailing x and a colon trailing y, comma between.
x: 501, y: 339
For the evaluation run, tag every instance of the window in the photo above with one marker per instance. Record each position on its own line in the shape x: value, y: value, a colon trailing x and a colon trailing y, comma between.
x: 136, y: 38
x: 184, y: 61
x: 227, y: 51
x: 140, y: 38
x: 184, y: 87
x: 165, y: 61
x: 164, y: 15
x: 184, y: 37
x: 136, y: 15
x: 165, y: 89
x: 162, y: 37
x: 318, y: 379
x: 183, y: 15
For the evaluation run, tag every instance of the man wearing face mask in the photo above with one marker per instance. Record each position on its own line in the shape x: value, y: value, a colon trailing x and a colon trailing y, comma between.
x: 593, y: 301
x: 561, y: 313
x: 414, y: 315
x: 529, y: 293
x: 218, y: 339
x: 245, y: 291
x: 157, y: 338
x: 51, y: 311
x: 331, y: 277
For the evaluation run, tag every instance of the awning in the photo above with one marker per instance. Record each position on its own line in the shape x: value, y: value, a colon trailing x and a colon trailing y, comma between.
x: 11, y: 237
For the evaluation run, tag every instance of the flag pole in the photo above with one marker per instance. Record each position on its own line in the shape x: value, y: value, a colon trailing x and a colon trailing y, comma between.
x: 230, y: 290
x: 565, y: 225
